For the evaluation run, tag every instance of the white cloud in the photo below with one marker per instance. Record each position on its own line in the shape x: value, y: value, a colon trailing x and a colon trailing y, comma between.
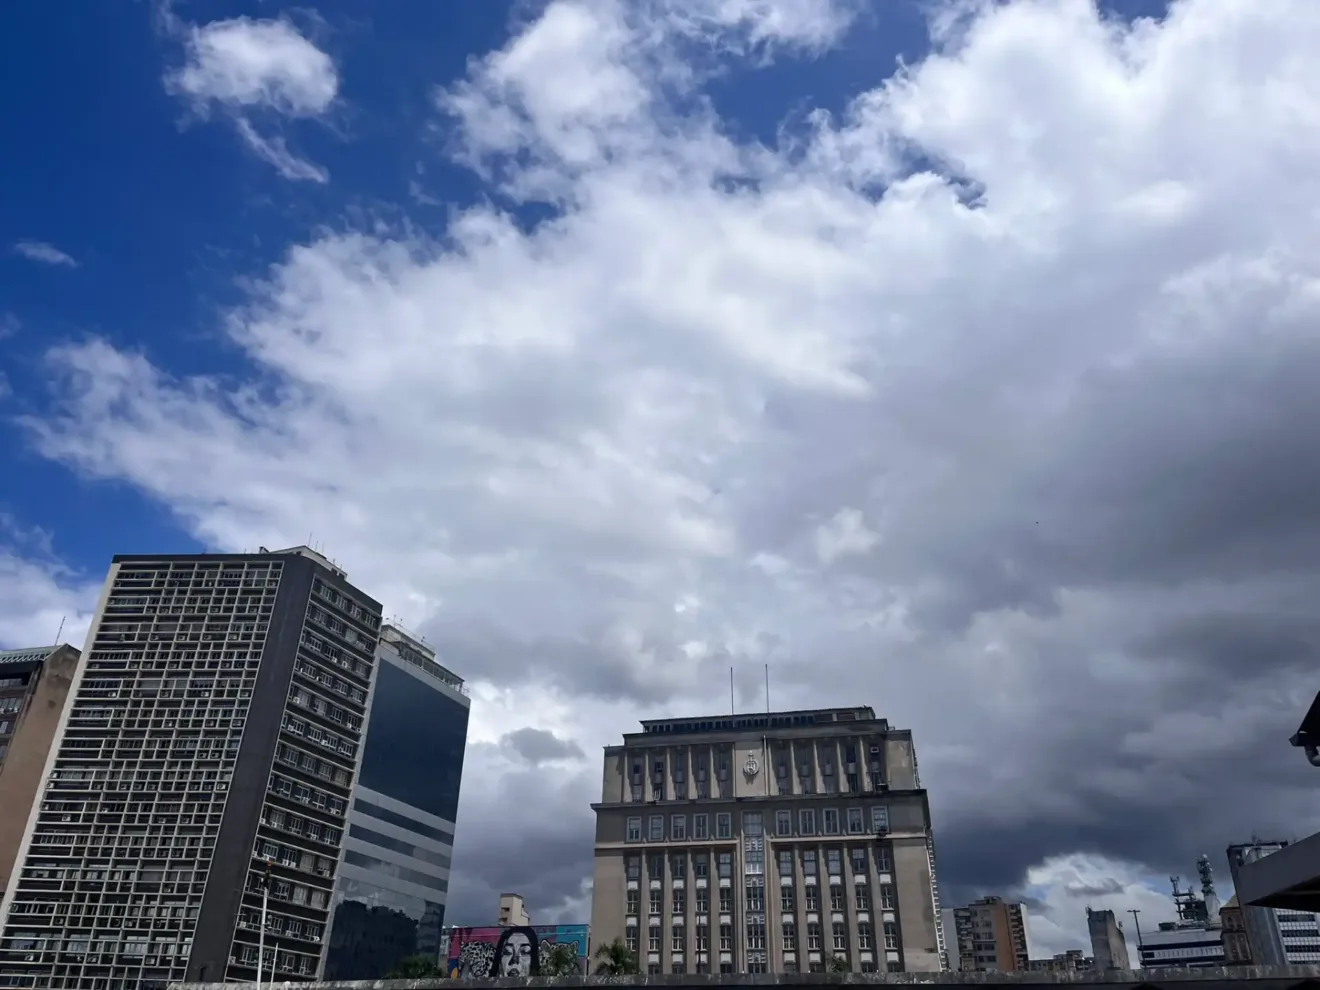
x: 47, y: 254
x: 244, y: 66
x: 1046, y: 377
x: 39, y: 597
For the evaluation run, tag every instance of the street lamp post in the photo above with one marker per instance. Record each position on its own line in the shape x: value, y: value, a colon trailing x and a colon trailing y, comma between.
x: 261, y: 932
x: 1137, y: 921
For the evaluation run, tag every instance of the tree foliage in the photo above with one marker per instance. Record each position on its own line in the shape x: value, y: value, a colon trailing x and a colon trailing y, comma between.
x: 616, y: 959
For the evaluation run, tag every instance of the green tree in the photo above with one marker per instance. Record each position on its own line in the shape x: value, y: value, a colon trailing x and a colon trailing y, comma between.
x: 559, y: 959
x: 839, y: 964
x: 616, y: 959
x: 415, y: 968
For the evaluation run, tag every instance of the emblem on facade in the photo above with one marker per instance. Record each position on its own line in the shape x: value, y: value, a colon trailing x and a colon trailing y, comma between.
x: 751, y: 766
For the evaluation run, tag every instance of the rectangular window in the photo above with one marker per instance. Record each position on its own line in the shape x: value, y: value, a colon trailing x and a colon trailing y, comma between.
x: 676, y: 939
x: 657, y: 900
x: 789, y: 934
x: 854, y: 821
x: 834, y: 862
x: 786, y: 863
x: 678, y: 866
x: 634, y: 903
x: 813, y: 936
x: 655, y: 866
x: 726, y: 900
x: 891, y: 935
x: 634, y: 867
x: 809, y: 862
x: 865, y: 935
x: 812, y: 898
x: 862, y: 897
x: 724, y: 825
x: 879, y: 819
x: 756, y: 934
x: 840, y: 937
x: 634, y: 830
x: 657, y: 828
x: 830, y: 820
x: 653, y: 940
x: 630, y: 939
x: 700, y: 865
x: 726, y: 938
x: 882, y: 859
x: 755, y: 898
x: 678, y: 901
x: 678, y: 827
x: 703, y: 938
x: 787, y: 900
x: 858, y: 855
x: 836, y: 897
x: 726, y: 864
x: 807, y: 821
x: 700, y: 827
x: 886, y: 897
x: 783, y: 823
x: 703, y: 900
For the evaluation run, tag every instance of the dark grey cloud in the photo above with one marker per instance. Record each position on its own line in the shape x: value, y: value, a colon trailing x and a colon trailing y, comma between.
x: 538, y: 746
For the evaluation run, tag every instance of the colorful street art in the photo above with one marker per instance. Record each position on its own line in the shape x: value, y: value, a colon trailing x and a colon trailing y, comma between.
x: 481, y: 953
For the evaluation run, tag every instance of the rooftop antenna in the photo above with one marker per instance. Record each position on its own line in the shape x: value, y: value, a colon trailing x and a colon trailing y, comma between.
x: 61, y: 631
x: 767, y: 689
x: 732, y: 709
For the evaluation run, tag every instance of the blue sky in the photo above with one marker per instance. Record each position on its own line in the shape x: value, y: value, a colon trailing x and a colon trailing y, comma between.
x: 529, y: 315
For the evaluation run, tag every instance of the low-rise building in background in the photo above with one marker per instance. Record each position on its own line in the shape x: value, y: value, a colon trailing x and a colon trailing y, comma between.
x: 990, y: 936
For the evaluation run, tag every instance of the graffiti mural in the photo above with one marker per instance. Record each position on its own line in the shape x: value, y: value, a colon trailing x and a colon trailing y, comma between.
x: 481, y: 953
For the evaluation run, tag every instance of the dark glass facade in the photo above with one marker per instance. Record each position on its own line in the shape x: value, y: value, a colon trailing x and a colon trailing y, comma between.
x: 394, y: 879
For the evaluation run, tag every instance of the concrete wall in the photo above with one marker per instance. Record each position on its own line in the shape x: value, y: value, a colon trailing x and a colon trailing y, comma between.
x: 1236, y: 978
x: 25, y: 766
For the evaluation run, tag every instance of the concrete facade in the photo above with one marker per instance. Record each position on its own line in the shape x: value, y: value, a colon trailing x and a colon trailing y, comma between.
x: 1108, y: 946
x: 37, y: 682
x: 767, y: 844
x: 989, y: 936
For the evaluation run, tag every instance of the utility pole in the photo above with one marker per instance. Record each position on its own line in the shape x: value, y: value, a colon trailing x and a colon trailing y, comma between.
x: 261, y: 932
x: 1137, y: 921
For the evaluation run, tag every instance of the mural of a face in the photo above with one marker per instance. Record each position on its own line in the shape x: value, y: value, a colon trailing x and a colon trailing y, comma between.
x: 518, y: 953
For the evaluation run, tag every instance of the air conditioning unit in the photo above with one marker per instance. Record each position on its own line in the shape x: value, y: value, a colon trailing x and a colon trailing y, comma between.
x: 875, y: 750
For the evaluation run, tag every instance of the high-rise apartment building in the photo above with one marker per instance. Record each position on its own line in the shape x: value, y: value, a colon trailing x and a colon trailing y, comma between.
x: 34, y: 685
x: 1108, y: 946
x: 513, y: 912
x: 767, y: 843
x: 216, y: 723
x: 393, y: 883
x: 991, y: 936
x: 1276, y: 936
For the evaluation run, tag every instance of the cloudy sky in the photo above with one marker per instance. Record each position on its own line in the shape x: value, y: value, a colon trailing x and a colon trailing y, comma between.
x: 951, y: 357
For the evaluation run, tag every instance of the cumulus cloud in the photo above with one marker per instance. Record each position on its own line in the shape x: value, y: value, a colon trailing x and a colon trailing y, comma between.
x: 987, y: 400
x: 46, y: 254
x: 245, y: 67
x: 40, y: 598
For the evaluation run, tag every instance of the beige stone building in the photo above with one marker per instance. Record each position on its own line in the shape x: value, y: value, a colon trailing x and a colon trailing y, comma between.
x: 767, y: 843
x: 990, y: 937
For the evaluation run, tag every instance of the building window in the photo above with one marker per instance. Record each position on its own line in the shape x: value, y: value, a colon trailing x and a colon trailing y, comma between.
x: 655, y: 866
x: 700, y: 865
x: 634, y: 867
x: 653, y: 940
x: 678, y: 827
x: 813, y: 898
x: 634, y: 830
x: 787, y: 900
x: 726, y: 864
x: 700, y: 827
x: 634, y: 903
x: 676, y: 939
x: 894, y: 966
x: 882, y: 859
x: 807, y: 821
x: 879, y: 819
x: 783, y: 823
x: 788, y: 933
x: 840, y: 937
x: 726, y: 938
x: 862, y: 897
x: 858, y: 855
x: 678, y: 901
x: 657, y: 897
x: 657, y: 828
x: 726, y: 900
x: 786, y: 863
x: 703, y: 900
x: 703, y: 938
x: 836, y: 897
x: 813, y: 936
x: 891, y: 935
x: 854, y: 821
x: 868, y: 966
x: 724, y: 825
x: 755, y: 898
x: 678, y: 866
x: 865, y: 935
x: 756, y: 934
x: 886, y: 897
x: 834, y: 862
x: 830, y: 821
x: 653, y: 969
x: 809, y: 862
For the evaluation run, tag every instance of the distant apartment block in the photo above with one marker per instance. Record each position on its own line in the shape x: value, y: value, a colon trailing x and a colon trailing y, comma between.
x: 513, y: 912
x: 1276, y: 936
x: 767, y: 843
x: 1072, y: 961
x: 1108, y: 946
x: 991, y: 936
x: 34, y: 685
x: 216, y: 723
x: 393, y: 884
